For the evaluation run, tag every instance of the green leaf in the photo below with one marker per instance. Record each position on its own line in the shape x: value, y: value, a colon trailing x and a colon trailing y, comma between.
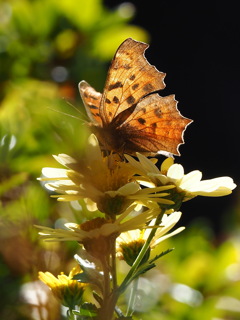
x: 87, y: 311
x: 143, y: 268
x: 97, y: 297
x: 90, y: 274
x: 82, y: 277
x: 160, y: 255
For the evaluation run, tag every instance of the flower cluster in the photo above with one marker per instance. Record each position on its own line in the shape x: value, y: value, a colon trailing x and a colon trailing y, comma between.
x: 138, y: 205
x: 106, y: 183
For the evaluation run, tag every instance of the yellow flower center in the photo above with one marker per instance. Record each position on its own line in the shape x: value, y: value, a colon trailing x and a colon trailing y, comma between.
x: 131, y: 250
x: 93, y: 224
x: 113, y: 206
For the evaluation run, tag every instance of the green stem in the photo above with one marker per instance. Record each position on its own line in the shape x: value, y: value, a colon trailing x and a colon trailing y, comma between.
x: 113, y: 266
x: 70, y: 314
x: 133, y: 296
x: 104, y: 312
x: 141, y: 255
x: 107, y: 289
x: 109, y: 295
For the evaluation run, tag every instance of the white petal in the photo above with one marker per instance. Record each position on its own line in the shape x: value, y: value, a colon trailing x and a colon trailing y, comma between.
x: 147, y: 164
x: 129, y: 188
x: 109, y: 228
x: 175, y: 172
x: 93, y: 149
x: 147, y: 184
x: 71, y: 225
x: 191, y: 180
x: 170, y: 220
x: 157, y: 241
x: 167, y: 164
x: 69, y: 197
x: 215, y: 187
x: 93, y: 141
x: 64, y: 159
x: 162, y: 178
x: 61, y: 184
x: 47, y: 186
x: 54, y: 173
x: 91, y: 205
x: 214, y: 184
x: 134, y: 163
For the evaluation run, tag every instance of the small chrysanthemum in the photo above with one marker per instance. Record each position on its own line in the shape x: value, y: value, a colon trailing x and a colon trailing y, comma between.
x: 105, y: 181
x: 130, y: 243
x: 69, y: 292
x: 98, y: 234
x: 187, y: 186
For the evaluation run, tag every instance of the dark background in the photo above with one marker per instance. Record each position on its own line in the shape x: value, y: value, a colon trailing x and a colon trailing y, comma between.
x: 198, y: 45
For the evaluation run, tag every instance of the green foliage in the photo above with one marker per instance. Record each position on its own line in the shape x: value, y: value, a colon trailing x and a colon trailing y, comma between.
x: 199, y: 281
x: 46, y: 48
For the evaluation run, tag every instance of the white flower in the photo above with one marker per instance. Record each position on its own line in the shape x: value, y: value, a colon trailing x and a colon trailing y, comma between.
x: 92, y: 234
x: 168, y: 222
x: 107, y: 183
x: 189, y: 185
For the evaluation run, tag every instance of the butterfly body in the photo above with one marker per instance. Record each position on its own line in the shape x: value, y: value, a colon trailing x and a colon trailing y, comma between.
x: 110, y: 138
x: 130, y: 116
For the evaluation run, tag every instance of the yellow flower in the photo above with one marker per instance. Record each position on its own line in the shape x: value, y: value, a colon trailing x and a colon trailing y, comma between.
x: 106, y: 182
x: 69, y: 292
x: 187, y: 186
x: 130, y: 243
x: 97, y: 235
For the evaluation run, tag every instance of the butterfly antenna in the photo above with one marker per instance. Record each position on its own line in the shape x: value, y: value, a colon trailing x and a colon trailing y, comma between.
x: 83, y: 115
x: 68, y: 115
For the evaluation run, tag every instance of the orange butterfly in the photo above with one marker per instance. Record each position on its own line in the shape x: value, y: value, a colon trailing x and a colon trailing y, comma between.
x: 128, y: 117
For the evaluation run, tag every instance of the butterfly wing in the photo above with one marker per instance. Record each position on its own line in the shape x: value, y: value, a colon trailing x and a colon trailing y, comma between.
x: 91, y: 99
x: 154, y: 125
x: 129, y: 117
x: 130, y: 77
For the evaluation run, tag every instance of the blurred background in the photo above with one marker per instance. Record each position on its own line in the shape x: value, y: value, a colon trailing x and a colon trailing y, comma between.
x: 46, y: 48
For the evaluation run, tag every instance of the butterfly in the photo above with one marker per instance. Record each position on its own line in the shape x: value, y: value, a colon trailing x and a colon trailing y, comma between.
x: 130, y: 116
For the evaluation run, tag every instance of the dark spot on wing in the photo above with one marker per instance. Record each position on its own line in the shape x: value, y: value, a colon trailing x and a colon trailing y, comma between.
x: 115, y: 99
x: 135, y: 86
x: 92, y: 106
x: 130, y: 100
x: 127, y: 66
x: 141, y: 120
x: 110, y: 113
x: 132, y: 77
x: 158, y: 113
x: 93, y: 97
x: 154, y: 125
x: 144, y: 110
x: 108, y: 101
x: 116, y: 85
x: 148, y: 87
